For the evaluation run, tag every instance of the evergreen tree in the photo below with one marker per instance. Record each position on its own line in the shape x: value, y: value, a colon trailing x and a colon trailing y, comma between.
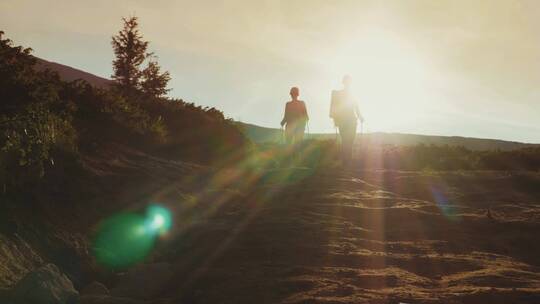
x: 130, y: 51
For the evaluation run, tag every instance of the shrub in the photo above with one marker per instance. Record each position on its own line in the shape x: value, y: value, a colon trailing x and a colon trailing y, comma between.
x: 35, y: 121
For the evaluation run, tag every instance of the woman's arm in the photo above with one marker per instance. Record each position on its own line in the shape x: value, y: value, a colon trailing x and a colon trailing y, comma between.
x: 306, y: 116
x: 285, y: 118
x: 333, y: 105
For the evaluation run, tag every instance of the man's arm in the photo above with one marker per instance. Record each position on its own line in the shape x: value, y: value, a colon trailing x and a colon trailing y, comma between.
x: 358, y: 113
x: 333, y: 105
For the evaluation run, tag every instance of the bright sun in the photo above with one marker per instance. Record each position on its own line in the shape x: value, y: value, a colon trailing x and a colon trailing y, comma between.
x: 390, y: 78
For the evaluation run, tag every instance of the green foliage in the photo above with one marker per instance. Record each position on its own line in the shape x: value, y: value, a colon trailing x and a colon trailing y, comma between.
x: 131, y: 52
x: 523, y: 159
x: 196, y: 133
x: 108, y: 116
x: 35, y: 120
x: 154, y: 83
x: 32, y: 134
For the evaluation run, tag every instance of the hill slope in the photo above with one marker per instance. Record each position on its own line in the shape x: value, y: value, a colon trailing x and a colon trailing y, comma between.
x: 262, y: 134
x: 68, y: 73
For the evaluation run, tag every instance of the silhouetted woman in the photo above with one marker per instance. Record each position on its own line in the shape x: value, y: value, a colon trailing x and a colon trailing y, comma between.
x: 295, y: 118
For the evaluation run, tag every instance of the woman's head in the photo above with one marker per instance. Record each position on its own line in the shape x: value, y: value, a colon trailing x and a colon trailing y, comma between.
x: 295, y: 92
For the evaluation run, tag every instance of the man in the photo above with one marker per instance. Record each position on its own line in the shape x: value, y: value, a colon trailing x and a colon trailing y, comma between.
x: 345, y: 113
x: 295, y: 118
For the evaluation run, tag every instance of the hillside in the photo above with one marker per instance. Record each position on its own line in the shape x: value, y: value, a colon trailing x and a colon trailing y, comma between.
x: 68, y: 73
x: 262, y: 134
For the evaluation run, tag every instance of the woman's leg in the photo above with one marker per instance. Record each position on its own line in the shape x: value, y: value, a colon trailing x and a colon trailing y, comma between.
x: 299, y: 133
x: 289, y: 134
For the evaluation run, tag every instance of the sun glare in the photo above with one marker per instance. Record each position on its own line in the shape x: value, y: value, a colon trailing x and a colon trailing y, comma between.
x: 390, y: 78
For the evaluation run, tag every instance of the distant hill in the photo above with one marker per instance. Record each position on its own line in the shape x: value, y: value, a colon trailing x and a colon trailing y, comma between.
x: 68, y: 73
x: 262, y: 134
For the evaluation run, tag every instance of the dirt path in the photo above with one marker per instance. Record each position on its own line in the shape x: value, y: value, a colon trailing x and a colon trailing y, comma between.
x: 358, y: 237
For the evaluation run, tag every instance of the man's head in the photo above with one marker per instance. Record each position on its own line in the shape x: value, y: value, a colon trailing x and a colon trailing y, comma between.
x: 347, y: 81
x: 295, y: 92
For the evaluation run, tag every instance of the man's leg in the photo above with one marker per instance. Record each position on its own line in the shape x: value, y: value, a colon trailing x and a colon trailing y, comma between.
x: 343, y: 133
x: 352, y: 137
x: 348, y: 134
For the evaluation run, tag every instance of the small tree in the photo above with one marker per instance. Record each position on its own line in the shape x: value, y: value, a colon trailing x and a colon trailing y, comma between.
x: 130, y: 50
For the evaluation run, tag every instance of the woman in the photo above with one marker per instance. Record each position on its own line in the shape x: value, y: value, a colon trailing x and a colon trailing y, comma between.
x: 295, y: 118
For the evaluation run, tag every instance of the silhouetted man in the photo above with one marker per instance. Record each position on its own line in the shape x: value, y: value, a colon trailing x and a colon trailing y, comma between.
x: 295, y: 118
x: 345, y: 113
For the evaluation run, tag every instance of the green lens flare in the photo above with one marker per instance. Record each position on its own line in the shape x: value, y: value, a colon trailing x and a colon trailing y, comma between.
x: 158, y: 219
x: 122, y: 241
x: 128, y: 238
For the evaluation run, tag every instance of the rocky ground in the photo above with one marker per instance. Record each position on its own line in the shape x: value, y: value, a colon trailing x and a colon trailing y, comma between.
x: 298, y: 235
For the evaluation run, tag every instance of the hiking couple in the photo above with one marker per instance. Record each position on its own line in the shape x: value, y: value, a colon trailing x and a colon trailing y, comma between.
x: 344, y: 111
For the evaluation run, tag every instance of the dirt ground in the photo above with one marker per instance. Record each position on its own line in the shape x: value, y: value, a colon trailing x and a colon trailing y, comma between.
x: 299, y: 235
x: 352, y: 236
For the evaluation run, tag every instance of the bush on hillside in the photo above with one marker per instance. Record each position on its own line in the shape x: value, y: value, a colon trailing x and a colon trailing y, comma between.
x: 35, y: 120
x: 522, y: 159
x: 197, y: 133
x: 105, y: 116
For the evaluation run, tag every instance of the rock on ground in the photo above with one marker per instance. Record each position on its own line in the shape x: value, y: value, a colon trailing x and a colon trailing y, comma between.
x: 45, y: 285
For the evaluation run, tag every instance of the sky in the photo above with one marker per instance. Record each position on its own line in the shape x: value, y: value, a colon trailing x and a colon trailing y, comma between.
x: 460, y: 68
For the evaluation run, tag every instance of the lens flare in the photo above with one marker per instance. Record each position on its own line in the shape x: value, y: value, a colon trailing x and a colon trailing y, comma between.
x: 446, y: 207
x: 159, y: 219
x: 122, y: 241
x: 127, y: 238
